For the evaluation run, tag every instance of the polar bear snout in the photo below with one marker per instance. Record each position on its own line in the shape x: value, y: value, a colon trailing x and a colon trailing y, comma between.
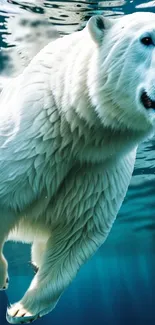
x: 147, y: 101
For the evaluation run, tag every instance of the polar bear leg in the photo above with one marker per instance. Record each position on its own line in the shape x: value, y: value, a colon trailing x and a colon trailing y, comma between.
x: 37, y: 250
x: 58, y: 268
x: 8, y: 222
x: 4, y: 279
x: 92, y: 199
x: 69, y: 246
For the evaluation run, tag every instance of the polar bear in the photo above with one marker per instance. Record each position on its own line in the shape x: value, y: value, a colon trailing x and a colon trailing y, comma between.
x: 70, y: 125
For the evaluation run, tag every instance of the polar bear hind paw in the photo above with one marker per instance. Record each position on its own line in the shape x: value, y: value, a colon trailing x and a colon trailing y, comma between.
x: 5, y: 284
x: 4, y: 279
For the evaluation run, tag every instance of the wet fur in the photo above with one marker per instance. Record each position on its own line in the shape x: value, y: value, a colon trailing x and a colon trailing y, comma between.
x: 68, y: 140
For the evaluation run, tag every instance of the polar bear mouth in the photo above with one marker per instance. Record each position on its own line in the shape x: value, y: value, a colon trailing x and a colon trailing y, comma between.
x: 147, y: 101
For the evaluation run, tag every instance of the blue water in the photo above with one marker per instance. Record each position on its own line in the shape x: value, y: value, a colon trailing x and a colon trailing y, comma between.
x: 117, y: 286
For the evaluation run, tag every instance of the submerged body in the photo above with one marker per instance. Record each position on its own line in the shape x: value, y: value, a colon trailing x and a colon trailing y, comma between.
x: 69, y: 129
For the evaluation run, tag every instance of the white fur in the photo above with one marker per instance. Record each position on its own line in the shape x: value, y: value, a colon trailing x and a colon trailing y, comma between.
x: 69, y: 129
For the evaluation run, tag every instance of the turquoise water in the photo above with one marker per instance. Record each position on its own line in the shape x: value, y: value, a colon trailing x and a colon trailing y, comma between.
x: 117, y: 286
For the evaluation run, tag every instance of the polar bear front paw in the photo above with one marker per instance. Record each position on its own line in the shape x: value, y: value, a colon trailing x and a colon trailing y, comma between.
x: 29, y: 308
x: 18, y: 314
x: 4, y: 279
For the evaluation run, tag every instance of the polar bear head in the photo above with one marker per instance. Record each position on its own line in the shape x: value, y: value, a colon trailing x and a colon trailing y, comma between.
x: 123, y: 89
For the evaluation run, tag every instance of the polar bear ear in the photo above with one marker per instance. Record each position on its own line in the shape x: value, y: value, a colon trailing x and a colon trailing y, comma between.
x: 97, y: 25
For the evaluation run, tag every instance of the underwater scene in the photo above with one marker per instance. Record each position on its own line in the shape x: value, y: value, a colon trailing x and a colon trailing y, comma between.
x: 117, y: 285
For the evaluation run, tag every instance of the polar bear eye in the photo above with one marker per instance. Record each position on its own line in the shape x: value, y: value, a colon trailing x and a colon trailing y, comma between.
x: 147, y: 40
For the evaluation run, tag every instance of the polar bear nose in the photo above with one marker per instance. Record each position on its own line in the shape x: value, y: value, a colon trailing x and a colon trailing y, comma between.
x: 147, y: 101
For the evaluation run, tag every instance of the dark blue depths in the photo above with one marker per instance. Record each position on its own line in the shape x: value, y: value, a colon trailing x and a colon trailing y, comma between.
x: 117, y: 286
